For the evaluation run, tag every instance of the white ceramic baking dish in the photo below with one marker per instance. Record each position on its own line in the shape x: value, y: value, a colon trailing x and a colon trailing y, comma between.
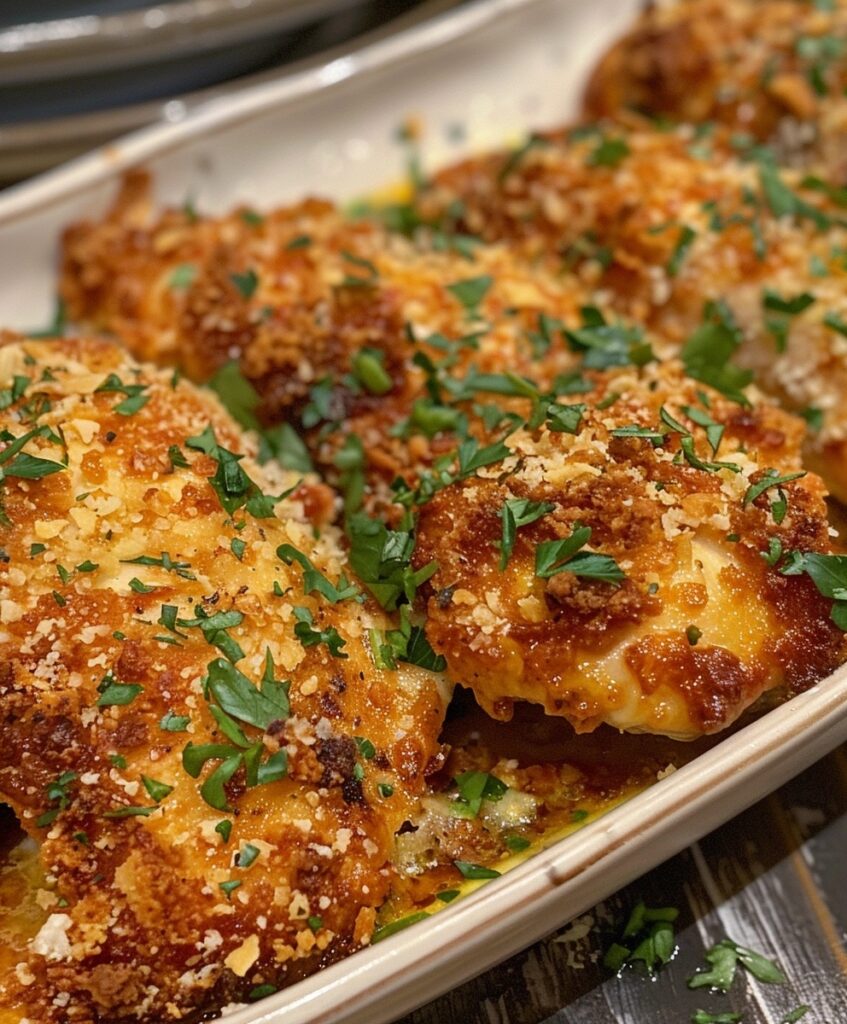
x: 478, y: 76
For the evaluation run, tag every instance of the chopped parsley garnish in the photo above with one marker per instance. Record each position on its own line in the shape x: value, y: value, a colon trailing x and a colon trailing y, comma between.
x: 381, y: 558
x: 514, y: 160
x: 708, y: 351
x: 408, y: 643
x: 399, y: 925
x: 17, y: 463
x: 230, y: 886
x: 112, y: 693
x: 310, y: 637
x: 474, y: 787
x: 813, y: 417
x: 771, y: 478
x: 684, y: 243
x: 240, y: 698
x: 774, y: 552
x: 130, y: 812
x: 315, y: 581
x: 182, y: 277
x: 794, y: 1015
x: 177, y: 459
x: 58, y: 794
x: 555, y: 556
x: 232, y: 485
x: 471, y: 291
x: 836, y: 323
x: 565, y: 419
x: 369, y: 371
x: 246, y: 855
x: 246, y: 283
x: 237, y: 394
x: 261, y: 992
x: 783, y: 202
x: 828, y: 573
x: 606, y: 344
x: 174, y: 723
x: 365, y: 747
x: 647, y: 938
x: 8, y: 396
x: 135, y: 398
x: 252, y: 218
x: 355, y: 281
x: 783, y: 309
x: 224, y: 829
x: 157, y: 790
x: 515, y: 513
x: 608, y: 152
x: 139, y: 587
x: 724, y: 959
x: 238, y: 547
x: 474, y: 871
x: 164, y: 561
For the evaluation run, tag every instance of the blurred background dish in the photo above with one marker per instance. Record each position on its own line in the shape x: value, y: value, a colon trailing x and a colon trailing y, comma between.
x: 86, y: 72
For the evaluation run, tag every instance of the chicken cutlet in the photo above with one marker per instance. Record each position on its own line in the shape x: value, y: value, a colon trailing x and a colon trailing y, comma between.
x: 725, y: 261
x: 772, y: 71
x: 332, y: 321
x: 633, y: 562
x: 475, y: 380
x: 192, y: 723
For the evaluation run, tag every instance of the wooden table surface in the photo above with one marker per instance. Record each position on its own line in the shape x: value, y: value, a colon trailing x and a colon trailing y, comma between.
x: 773, y: 879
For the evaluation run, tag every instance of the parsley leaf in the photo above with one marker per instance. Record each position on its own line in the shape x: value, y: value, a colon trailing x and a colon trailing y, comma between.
x: 608, y: 153
x: 828, y: 573
x: 246, y: 283
x: 369, y: 371
x: 555, y: 556
x: 310, y: 637
x: 606, y: 344
x: 471, y: 291
x: 238, y: 697
x: 515, y: 513
x: 237, y: 394
x: 381, y: 558
x: 314, y: 580
x: 474, y: 871
x: 474, y: 787
x: 708, y: 351
x: 232, y: 485
x: 135, y: 398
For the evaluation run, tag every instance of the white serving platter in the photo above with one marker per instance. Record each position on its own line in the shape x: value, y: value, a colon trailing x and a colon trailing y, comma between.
x: 478, y: 76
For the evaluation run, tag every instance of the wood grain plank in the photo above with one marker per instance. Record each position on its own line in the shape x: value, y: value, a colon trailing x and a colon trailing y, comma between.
x: 774, y: 878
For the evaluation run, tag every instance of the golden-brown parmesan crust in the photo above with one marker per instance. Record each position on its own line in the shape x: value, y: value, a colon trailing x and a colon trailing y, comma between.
x: 668, y: 227
x: 139, y: 925
x: 775, y: 71
x: 688, y: 638
x: 326, y: 288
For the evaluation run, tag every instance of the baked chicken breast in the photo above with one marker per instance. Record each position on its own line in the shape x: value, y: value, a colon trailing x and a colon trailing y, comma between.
x: 725, y: 260
x: 773, y: 71
x: 194, y: 724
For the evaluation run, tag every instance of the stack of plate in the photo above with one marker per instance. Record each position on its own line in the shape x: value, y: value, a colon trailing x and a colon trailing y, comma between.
x: 89, y: 70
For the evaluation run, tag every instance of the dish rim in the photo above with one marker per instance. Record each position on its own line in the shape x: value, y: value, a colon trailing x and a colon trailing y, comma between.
x: 382, y: 982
